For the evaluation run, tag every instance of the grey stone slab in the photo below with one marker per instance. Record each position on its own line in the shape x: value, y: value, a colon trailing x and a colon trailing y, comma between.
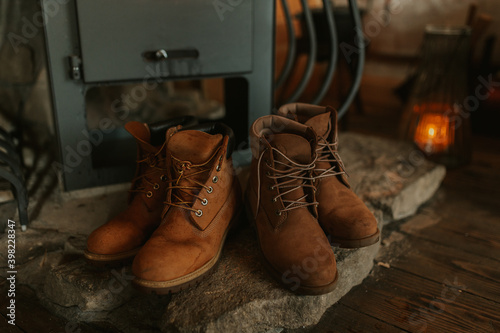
x: 89, y: 288
x: 392, y: 176
x: 138, y: 314
x: 33, y: 272
x: 239, y: 296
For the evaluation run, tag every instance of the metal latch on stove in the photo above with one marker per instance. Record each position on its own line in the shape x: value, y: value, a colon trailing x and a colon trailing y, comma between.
x: 74, y: 65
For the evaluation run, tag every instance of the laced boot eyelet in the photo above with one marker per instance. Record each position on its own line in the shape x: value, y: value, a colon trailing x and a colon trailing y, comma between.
x: 268, y: 173
x: 215, y: 179
x: 278, y: 212
x: 149, y: 194
x: 204, y: 202
x: 156, y: 186
x: 198, y: 213
x: 271, y: 188
x: 274, y: 199
x: 163, y: 178
x: 210, y: 189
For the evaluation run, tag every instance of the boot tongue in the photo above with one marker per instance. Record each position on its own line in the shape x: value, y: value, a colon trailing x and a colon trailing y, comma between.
x: 324, y: 127
x: 190, y: 148
x: 142, y: 135
x: 293, y: 146
x: 321, y: 124
x: 194, y: 146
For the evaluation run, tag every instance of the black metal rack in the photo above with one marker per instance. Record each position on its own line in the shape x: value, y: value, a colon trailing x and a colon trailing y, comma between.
x: 322, y: 44
x: 11, y: 169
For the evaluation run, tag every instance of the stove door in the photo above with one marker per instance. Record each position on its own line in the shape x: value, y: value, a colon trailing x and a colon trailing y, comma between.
x: 124, y: 40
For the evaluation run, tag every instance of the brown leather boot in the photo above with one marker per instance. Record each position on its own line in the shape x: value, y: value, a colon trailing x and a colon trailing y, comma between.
x: 203, y: 202
x: 282, y: 206
x: 341, y: 213
x: 121, y: 238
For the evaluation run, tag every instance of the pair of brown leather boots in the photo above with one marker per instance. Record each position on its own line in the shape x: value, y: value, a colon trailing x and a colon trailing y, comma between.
x: 298, y: 194
x: 182, y: 202
x: 186, y: 196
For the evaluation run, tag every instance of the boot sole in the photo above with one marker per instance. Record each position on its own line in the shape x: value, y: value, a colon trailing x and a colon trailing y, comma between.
x: 110, y: 259
x: 355, y: 243
x: 278, y: 276
x: 189, y: 280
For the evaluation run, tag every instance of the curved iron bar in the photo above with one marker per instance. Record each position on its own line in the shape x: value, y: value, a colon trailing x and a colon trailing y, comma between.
x: 292, y: 45
x: 20, y: 194
x: 312, y: 54
x: 10, y: 149
x: 356, y: 17
x: 15, y: 176
x: 6, y: 136
x: 13, y: 164
x: 328, y: 9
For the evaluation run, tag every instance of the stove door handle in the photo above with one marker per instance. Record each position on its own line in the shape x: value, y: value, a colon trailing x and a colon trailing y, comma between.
x: 162, y: 54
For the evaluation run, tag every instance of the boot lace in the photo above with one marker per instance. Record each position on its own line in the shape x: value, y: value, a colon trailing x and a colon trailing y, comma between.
x: 195, y: 186
x: 143, y: 182
x: 328, y: 152
x: 287, y: 182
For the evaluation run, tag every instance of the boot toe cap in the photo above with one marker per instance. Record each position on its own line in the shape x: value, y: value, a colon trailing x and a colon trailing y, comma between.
x: 159, y: 260
x: 349, y: 224
x: 108, y: 239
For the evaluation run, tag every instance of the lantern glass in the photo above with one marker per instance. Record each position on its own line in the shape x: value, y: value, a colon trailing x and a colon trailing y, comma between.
x: 435, y: 118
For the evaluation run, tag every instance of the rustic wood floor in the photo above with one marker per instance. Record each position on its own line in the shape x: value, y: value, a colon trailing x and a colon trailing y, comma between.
x: 439, y: 271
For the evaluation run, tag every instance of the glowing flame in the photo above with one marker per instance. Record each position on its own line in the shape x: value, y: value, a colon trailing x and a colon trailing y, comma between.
x: 432, y: 132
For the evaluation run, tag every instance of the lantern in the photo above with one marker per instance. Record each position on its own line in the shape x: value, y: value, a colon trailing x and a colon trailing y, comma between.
x: 435, y: 118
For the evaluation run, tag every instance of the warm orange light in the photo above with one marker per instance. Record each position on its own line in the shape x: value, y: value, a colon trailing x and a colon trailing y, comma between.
x: 434, y: 132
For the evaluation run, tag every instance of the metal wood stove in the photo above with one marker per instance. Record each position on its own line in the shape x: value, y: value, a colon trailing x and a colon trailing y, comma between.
x: 101, y: 42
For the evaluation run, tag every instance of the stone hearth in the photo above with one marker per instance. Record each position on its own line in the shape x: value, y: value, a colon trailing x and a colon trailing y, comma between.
x: 393, y: 178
